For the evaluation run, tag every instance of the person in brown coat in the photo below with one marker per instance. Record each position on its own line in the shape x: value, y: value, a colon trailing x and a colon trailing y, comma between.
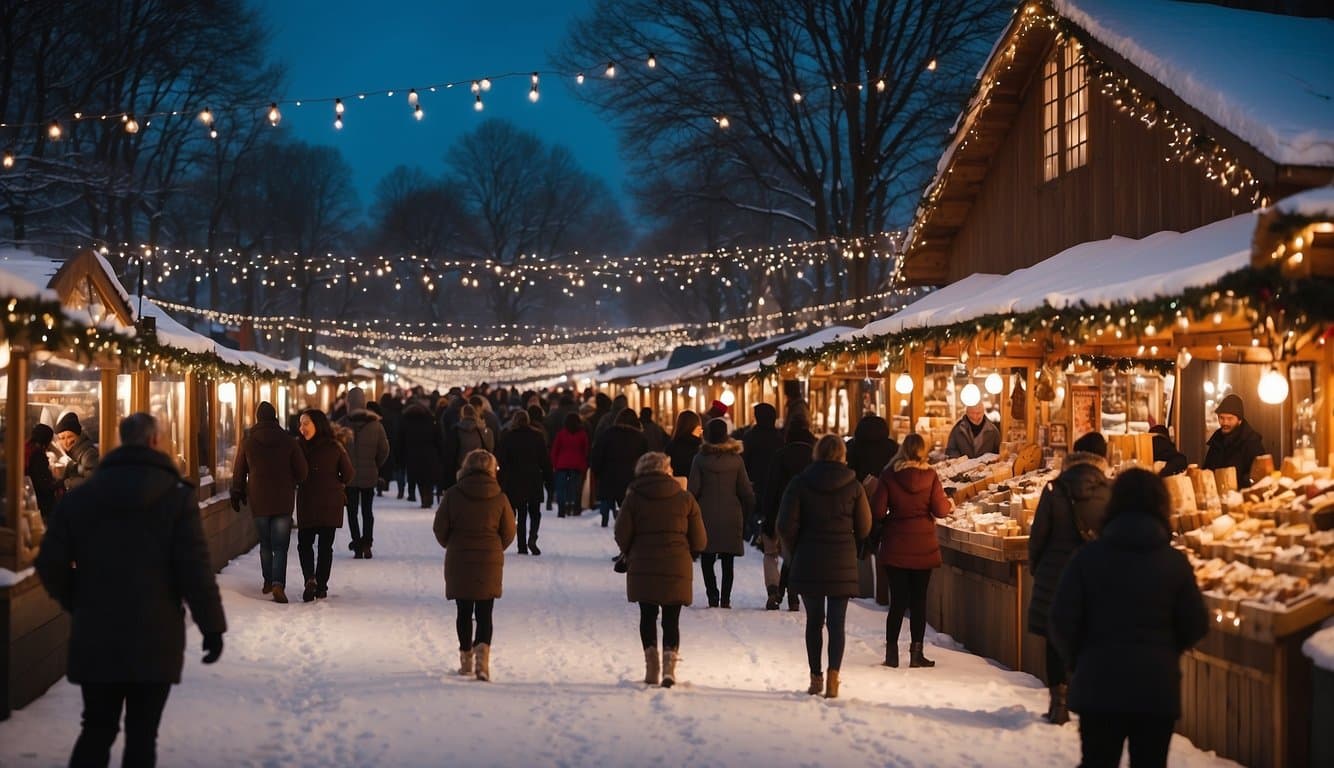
x: 268, y: 467
x: 658, y: 531
x: 824, y: 513
x: 475, y: 524
x: 718, y: 479
x: 320, y: 500
x: 910, y: 493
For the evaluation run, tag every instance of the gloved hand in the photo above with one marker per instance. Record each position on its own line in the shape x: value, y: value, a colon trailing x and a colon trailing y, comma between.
x: 237, y: 500
x: 212, y: 647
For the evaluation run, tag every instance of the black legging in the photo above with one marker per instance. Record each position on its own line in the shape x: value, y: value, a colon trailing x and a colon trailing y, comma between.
x: 482, y: 609
x: 528, y: 518
x: 671, y: 625
x: 1055, y: 666
x: 706, y: 561
x: 311, y: 567
x: 907, y: 592
x: 834, y: 618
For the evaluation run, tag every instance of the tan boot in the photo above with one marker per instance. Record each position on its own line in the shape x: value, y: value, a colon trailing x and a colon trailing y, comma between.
x: 669, y: 656
x: 817, y: 685
x: 831, y: 684
x: 279, y: 595
x: 651, y: 665
x: 465, y: 662
x: 482, y: 655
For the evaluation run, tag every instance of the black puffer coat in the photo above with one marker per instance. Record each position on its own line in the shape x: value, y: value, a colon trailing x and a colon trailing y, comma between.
x: 420, y: 443
x: 824, y: 513
x: 1126, y: 609
x: 762, y: 443
x: 681, y: 449
x: 525, y: 465
x: 123, y: 550
x: 790, y: 460
x: 613, y: 458
x: 1080, y: 494
x: 871, y: 447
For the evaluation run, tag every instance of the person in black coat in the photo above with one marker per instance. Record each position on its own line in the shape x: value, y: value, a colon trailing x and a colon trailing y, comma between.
x: 760, y: 443
x: 1164, y: 450
x: 37, y: 467
x: 654, y: 435
x: 391, y: 416
x: 1070, y: 512
x: 612, y: 461
x: 419, y: 449
x: 685, y: 442
x: 1234, y: 443
x: 1124, y: 612
x: 871, y: 447
x: 525, y: 472
x: 788, y: 462
x: 123, y: 551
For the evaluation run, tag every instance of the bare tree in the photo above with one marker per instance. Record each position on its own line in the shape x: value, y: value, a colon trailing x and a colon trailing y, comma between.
x: 420, y: 216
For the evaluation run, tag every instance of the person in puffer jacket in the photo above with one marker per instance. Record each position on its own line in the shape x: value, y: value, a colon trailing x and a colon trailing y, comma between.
x: 718, y: 479
x: 369, y: 450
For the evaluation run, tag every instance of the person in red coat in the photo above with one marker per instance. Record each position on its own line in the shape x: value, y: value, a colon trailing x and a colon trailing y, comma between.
x: 569, y: 459
x: 907, y: 500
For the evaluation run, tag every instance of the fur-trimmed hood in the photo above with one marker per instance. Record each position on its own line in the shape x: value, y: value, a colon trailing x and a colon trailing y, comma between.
x: 727, y: 446
x: 1083, y: 457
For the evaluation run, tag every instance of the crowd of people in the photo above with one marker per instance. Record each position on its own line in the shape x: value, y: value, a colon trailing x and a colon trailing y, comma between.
x: 1115, y: 603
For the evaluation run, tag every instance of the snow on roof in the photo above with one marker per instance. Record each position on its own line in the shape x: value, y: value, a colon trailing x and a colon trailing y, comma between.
x: 919, y: 314
x: 631, y: 372
x: 25, y: 275
x: 689, y: 370
x: 1312, y: 202
x: 319, y: 369
x: 813, y: 340
x: 1266, y: 78
x: 173, y: 334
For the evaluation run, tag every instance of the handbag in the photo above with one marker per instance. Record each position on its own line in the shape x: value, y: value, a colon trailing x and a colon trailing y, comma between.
x: 619, y: 564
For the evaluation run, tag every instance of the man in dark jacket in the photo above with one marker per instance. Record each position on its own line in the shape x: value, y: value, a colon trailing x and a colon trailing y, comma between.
x: 788, y: 462
x: 871, y: 447
x: 419, y: 448
x: 391, y: 413
x: 123, y: 550
x: 654, y: 435
x: 1070, y: 512
x: 556, y: 416
x: 525, y: 471
x: 1234, y: 443
x: 760, y: 443
x: 973, y: 435
x: 1164, y: 450
x: 612, y: 461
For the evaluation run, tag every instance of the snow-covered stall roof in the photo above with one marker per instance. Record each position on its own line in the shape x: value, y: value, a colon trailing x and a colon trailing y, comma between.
x: 919, y: 314
x: 813, y: 340
x: 25, y: 276
x: 630, y: 373
x: 317, y: 368
x: 1266, y: 78
x: 1312, y: 202
x: 689, y: 370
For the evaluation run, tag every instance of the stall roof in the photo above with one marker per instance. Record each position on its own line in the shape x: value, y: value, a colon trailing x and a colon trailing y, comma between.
x: 23, y: 276
x: 631, y: 372
x: 920, y: 313
x: 317, y: 368
x: 813, y: 340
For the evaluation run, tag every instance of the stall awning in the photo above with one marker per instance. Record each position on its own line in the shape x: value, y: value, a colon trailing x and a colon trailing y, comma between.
x: 813, y: 340
x: 630, y: 373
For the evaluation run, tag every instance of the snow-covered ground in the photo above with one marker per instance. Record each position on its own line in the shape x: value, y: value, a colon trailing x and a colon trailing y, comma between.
x: 367, y: 678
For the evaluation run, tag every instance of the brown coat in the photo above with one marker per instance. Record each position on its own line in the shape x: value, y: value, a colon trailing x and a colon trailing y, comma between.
x: 718, y: 479
x: 658, y: 529
x: 824, y: 513
x: 475, y: 524
x: 268, y: 468
x: 320, y: 499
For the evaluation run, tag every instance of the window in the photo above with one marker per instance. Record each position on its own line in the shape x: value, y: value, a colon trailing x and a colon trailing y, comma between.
x: 1065, y: 102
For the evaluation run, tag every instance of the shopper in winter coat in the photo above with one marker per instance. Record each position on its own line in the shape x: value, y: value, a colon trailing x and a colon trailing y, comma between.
x: 1164, y: 450
x: 475, y: 524
x: 973, y: 435
x: 1234, y: 444
x: 468, y: 435
x: 1126, y: 609
x: 760, y: 443
x: 658, y: 530
x: 791, y: 459
x: 654, y: 435
x: 486, y: 414
x: 269, y: 465
x: 612, y: 461
x: 37, y: 468
x: 82, y: 452
x: 569, y: 459
x: 1070, y: 511
x: 391, y: 414
x: 685, y: 442
x: 123, y: 551
x: 525, y: 471
x: 718, y: 479
x: 369, y: 449
x: 419, y: 447
x: 871, y: 448
x: 907, y: 499
x: 320, y: 501
x: 557, y: 416
x: 824, y: 513
x: 606, y: 420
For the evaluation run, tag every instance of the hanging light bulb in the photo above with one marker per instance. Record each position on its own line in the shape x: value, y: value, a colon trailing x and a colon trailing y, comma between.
x: 338, y: 122
x: 131, y: 125
x: 412, y: 97
x: 1273, y: 387
x: 796, y: 97
x: 477, y: 104
x: 652, y: 61
x: 54, y: 131
x: 275, y: 116
x: 486, y: 84
x: 476, y: 86
x: 418, y: 113
x: 693, y: 391
x: 970, y: 395
x: 532, y: 92
x: 903, y: 384
x: 213, y: 132
x: 724, y: 123
x: 7, y: 160
x: 994, y: 384
x: 728, y: 398
x: 611, y: 69
x: 310, y: 386
x: 931, y: 66
x: 579, y: 79
x: 338, y: 107
x: 880, y: 85
x: 206, y: 116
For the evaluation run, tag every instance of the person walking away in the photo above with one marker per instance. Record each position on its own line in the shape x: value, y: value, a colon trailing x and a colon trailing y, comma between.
x: 824, y: 513
x: 525, y: 471
x: 654, y: 435
x: 37, y: 468
x: 1164, y: 450
x: 973, y: 435
x: 791, y: 459
x: 606, y: 420
x: 1235, y: 443
x: 871, y: 449
x: 718, y: 479
x: 612, y: 461
x: 82, y: 452
x: 320, y: 501
x: 468, y: 435
x: 569, y: 458
x: 1124, y: 612
x: 760, y: 443
x: 420, y: 445
x: 269, y: 465
x: 391, y: 416
x: 658, y: 530
x: 369, y: 450
x: 557, y: 416
x: 685, y: 442
x: 1070, y: 512
x: 124, y: 550
x: 486, y: 415
x: 475, y: 525
x: 909, y: 498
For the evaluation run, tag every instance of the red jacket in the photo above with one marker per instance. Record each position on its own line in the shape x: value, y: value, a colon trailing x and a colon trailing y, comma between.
x: 913, y: 497
x: 569, y: 450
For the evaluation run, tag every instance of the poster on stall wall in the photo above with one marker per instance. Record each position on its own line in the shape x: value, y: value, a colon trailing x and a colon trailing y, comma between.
x: 1085, y: 411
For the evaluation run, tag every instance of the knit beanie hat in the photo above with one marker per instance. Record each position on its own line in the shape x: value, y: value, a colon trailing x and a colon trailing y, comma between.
x: 1093, y: 443
x: 69, y: 423
x: 42, y: 434
x: 266, y: 412
x: 1232, y: 404
x: 716, y: 431
x: 356, y: 399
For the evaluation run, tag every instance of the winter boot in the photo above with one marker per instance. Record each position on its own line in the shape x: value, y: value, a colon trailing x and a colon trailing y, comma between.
x: 651, y: 665
x: 322, y: 592
x: 483, y: 656
x: 354, y: 545
x: 308, y: 594
x: 726, y: 602
x: 774, y: 599
x: 366, y: 548
x: 669, y: 657
x: 817, y: 685
x: 1059, y: 714
x: 523, y: 547
x: 831, y: 684
x: 279, y: 596
x: 793, y: 602
x: 712, y: 595
x: 465, y: 663
x: 915, y: 657
x: 532, y: 547
x: 268, y: 587
x: 892, y: 655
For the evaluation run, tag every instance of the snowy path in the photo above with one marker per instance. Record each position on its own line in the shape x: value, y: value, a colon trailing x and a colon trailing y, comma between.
x: 367, y: 678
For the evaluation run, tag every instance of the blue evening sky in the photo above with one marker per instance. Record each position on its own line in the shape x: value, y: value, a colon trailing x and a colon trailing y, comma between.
x: 341, y: 47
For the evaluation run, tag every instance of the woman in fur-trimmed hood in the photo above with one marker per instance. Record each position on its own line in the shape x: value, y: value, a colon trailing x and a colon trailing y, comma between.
x: 718, y: 479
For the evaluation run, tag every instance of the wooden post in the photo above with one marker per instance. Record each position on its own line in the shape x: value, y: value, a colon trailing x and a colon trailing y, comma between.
x: 917, y: 370
x: 107, y: 430
x: 139, y: 397
x: 16, y: 428
x: 191, y: 448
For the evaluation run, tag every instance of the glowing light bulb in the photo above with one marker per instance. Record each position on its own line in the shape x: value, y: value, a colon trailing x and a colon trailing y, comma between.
x: 412, y: 97
x: 724, y: 123
x: 693, y: 391
x: 477, y: 105
x: 338, y: 123
x: 7, y: 161
x: 611, y: 69
x: 994, y: 384
x: 275, y: 116
x: 206, y: 116
x: 131, y: 125
x: 1273, y: 387
x: 54, y: 131
x: 579, y: 79
x: 931, y: 66
x: 970, y: 395
x: 338, y: 107
x: 796, y: 97
x: 652, y: 61
x: 418, y: 113
x: 476, y: 86
x: 311, y: 387
x: 880, y: 85
x: 728, y: 398
x: 533, y: 95
x: 903, y: 384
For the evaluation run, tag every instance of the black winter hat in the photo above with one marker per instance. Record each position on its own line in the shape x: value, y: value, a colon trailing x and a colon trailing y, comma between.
x: 42, y: 434
x: 716, y: 431
x: 1093, y: 443
x: 69, y: 423
x: 1232, y: 404
x: 266, y: 412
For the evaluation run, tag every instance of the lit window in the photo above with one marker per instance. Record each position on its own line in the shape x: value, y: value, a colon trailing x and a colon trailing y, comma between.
x: 1076, y: 107
x: 1065, y: 105
x: 1051, y: 121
